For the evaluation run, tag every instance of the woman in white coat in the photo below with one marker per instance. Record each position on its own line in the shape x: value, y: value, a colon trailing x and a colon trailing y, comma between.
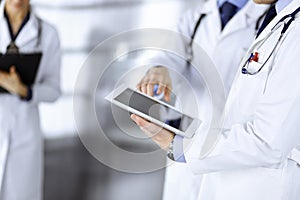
x: 235, y: 37
x: 256, y: 156
x: 21, y: 140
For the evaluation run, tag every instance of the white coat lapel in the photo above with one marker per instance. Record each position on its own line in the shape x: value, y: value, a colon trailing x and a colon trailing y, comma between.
x: 5, y: 35
x: 209, y: 7
x: 249, y: 14
x: 29, y: 32
x: 266, y: 32
x: 288, y: 10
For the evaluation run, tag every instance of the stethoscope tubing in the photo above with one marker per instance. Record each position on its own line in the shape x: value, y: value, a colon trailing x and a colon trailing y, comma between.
x: 286, y: 26
x: 189, y: 48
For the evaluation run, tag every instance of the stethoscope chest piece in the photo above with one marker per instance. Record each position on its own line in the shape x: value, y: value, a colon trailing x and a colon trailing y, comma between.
x: 12, y: 48
x: 244, y: 70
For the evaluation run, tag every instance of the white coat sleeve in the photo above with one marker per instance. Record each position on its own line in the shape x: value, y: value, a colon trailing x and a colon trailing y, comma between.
x: 266, y: 140
x: 47, y: 88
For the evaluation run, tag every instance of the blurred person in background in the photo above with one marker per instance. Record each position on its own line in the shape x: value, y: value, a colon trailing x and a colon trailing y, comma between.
x: 225, y: 30
x: 21, y: 140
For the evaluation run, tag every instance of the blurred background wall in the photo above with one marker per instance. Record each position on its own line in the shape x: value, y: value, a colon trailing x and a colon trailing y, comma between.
x: 71, y: 173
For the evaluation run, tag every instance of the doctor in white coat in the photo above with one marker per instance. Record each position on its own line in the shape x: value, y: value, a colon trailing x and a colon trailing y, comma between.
x: 21, y: 140
x: 213, y: 36
x: 256, y: 155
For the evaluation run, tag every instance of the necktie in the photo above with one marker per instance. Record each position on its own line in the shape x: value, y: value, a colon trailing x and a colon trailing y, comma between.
x: 227, y: 10
x: 269, y: 16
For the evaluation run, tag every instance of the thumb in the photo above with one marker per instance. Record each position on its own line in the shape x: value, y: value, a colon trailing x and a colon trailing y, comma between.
x: 12, y: 69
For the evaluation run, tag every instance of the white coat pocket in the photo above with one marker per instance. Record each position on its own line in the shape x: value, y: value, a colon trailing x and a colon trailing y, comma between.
x: 251, y: 88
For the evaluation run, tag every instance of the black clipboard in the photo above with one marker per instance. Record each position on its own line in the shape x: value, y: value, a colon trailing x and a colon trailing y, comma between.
x: 26, y: 64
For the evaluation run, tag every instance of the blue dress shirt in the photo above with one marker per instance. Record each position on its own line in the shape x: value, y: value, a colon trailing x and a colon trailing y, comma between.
x: 238, y: 3
x: 281, y: 4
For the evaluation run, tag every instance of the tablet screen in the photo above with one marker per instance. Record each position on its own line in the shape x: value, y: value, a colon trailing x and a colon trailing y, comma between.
x: 152, y: 108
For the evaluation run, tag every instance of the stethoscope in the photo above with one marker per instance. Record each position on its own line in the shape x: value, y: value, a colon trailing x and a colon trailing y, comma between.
x: 254, y: 56
x: 189, y: 47
x: 12, y: 48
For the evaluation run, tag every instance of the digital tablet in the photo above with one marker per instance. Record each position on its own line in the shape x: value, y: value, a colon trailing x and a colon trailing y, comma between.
x: 26, y: 66
x: 154, y: 110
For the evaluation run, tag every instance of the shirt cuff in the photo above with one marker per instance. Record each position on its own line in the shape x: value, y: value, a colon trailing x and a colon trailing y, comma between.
x: 28, y: 96
x: 178, y: 149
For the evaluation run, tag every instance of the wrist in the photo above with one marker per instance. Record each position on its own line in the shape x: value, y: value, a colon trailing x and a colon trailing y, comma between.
x: 22, y: 90
x: 170, y: 149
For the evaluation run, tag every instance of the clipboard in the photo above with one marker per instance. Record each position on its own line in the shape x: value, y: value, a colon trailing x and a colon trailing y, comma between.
x: 26, y: 64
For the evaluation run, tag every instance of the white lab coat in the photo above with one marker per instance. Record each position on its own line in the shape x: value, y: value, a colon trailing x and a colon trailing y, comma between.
x: 21, y: 140
x: 255, y: 156
x: 180, y: 182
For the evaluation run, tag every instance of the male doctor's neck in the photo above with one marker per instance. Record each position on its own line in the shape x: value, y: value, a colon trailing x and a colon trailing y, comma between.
x: 279, y: 4
x: 265, y: 1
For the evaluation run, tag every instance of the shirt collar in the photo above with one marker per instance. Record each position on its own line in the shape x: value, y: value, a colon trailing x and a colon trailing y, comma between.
x: 281, y: 4
x: 238, y: 3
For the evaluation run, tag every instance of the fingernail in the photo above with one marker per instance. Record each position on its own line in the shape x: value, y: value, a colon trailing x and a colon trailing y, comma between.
x: 133, y: 116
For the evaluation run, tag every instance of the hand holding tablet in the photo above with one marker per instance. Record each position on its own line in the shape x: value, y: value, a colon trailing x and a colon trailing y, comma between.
x: 154, y: 111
